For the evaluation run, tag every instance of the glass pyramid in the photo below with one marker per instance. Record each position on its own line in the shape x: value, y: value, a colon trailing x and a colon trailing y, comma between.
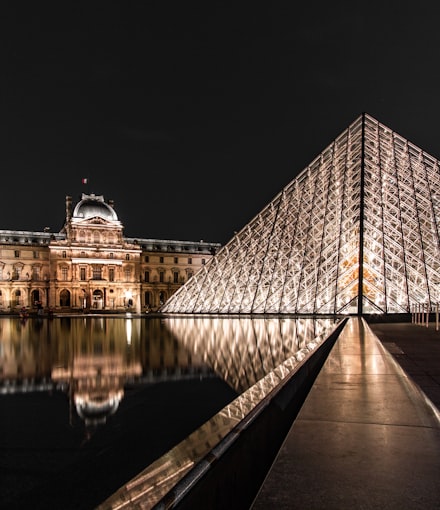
x: 357, y: 231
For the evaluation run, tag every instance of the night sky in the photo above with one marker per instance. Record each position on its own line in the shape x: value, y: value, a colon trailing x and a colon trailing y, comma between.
x: 192, y: 116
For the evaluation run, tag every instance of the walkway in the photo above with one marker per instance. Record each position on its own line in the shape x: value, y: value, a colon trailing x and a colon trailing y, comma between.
x: 366, y: 436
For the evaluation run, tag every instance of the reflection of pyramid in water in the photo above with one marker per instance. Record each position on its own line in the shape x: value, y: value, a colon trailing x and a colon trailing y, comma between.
x: 243, y: 350
x: 356, y: 232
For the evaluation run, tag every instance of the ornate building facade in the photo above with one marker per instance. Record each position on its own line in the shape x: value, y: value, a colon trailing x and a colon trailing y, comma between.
x: 91, y: 265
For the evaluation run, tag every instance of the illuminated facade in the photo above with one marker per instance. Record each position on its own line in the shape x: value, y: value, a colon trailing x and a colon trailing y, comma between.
x: 91, y: 265
x: 357, y: 231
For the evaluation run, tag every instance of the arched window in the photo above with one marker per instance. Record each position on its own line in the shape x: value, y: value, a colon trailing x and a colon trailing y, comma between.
x: 35, y: 297
x: 64, y: 298
x: 17, y: 297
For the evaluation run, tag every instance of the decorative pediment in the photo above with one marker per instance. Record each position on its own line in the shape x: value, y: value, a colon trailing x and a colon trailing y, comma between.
x: 98, y: 221
x: 95, y: 220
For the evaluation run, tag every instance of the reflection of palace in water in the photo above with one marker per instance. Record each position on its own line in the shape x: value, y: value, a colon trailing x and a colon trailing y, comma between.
x: 92, y: 359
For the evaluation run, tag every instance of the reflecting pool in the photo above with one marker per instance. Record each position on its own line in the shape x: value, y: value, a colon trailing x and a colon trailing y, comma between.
x: 88, y: 402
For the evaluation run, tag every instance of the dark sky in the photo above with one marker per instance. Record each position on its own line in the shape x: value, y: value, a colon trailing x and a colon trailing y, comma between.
x: 192, y: 116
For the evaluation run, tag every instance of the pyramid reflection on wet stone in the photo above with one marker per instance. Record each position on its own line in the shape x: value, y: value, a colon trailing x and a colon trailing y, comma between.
x: 357, y: 231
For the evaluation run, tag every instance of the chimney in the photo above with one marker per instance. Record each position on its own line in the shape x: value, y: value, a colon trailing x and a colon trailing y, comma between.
x: 68, y: 208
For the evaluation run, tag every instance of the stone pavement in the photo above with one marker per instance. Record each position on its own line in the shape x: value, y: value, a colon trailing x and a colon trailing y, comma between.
x: 366, y: 436
x: 417, y: 350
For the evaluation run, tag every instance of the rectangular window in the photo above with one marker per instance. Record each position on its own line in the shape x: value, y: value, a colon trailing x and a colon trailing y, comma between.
x: 111, y: 274
x: 64, y: 254
x: 161, y: 260
x: 147, y: 258
x: 127, y: 256
x: 176, y: 260
x: 82, y: 273
x: 147, y: 276
x: 190, y: 260
x: 176, y: 277
x: 127, y: 274
x: 161, y: 276
x: 16, y: 254
x: 36, y: 254
x: 97, y: 273
x: 203, y: 262
x: 35, y: 273
x: 64, y: 273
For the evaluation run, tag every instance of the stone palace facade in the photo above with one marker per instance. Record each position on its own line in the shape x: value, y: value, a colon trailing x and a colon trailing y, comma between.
x: 91, y: 265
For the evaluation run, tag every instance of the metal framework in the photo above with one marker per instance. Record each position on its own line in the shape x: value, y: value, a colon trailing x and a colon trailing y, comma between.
x: 357, y: 231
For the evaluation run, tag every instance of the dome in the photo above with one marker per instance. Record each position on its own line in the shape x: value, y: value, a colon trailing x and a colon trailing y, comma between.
x: 94, y: 205
x: 96, y: 408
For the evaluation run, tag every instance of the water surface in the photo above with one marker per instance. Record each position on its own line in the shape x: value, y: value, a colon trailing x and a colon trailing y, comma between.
x: 88, y: 402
